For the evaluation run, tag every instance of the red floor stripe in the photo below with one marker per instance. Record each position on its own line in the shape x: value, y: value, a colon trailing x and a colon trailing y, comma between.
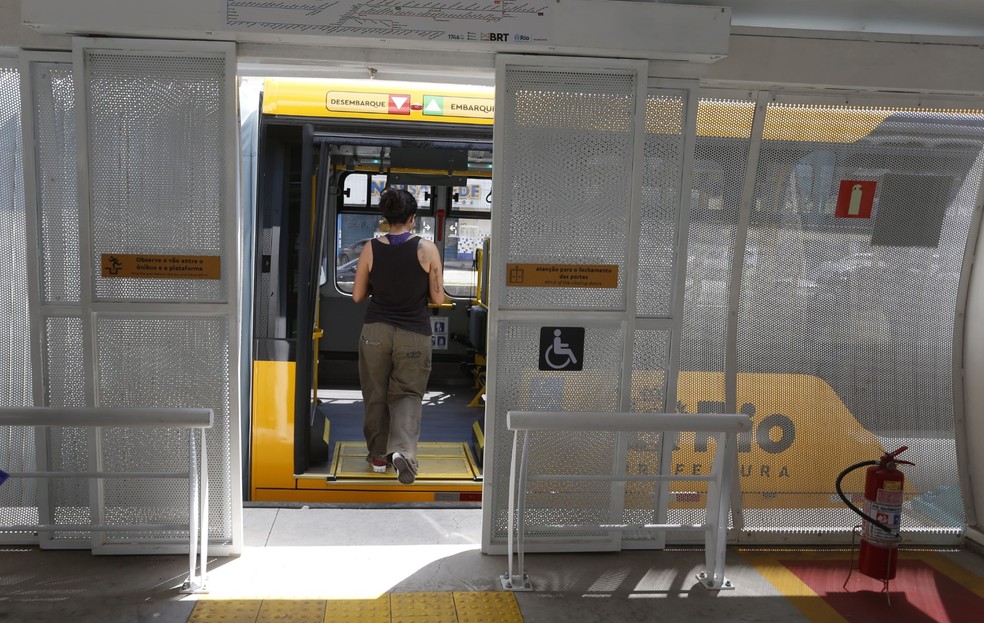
x: 919, y: 593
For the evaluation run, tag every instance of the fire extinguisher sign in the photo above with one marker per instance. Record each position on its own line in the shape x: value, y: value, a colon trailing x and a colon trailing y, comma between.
x: 855, y: 198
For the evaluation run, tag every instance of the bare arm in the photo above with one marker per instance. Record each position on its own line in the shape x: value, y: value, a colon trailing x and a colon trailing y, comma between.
x: 360, y: 289
x: 430, y: 260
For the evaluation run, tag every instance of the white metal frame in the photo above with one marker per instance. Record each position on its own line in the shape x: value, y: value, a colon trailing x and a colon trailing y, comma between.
x: 40, y: 310
x: 12, y: 62
x: 233, y: 235
x: 673, y: 323
x: 191, y: 419
x: 622, y: 318
x: 725, y: 428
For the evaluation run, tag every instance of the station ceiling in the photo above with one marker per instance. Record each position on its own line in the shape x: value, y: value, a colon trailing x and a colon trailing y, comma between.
x: 946, y: 18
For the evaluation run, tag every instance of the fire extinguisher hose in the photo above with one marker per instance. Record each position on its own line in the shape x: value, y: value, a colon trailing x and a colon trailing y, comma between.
x: 851, y: 506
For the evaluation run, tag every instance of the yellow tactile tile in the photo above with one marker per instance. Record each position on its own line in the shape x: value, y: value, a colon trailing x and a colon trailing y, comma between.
x: 487, y: 608
x: 358, y: 610
x: 422, y: 608
x: 292, y: 610
x: 225, y: 611
x: 472, y: 607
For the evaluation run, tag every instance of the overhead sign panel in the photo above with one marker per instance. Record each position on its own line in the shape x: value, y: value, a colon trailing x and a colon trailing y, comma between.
x: 617, y: 29
x: 374, y: 99
x: 447, y: 106
x: 354, y: 101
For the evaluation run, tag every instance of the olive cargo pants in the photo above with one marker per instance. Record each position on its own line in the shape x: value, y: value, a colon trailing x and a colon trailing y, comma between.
x: 394, y: 366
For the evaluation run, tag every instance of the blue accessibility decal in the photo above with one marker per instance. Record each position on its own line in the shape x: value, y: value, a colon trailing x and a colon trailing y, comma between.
x: 3, y: 476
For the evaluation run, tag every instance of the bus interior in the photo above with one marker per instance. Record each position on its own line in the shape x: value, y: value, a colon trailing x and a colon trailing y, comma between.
x: 306, y: 442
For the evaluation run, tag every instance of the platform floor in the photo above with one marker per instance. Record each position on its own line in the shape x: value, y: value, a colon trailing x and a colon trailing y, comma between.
x: 424, y: 565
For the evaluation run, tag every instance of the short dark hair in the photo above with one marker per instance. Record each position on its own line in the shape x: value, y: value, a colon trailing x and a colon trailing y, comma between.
x: 397, y: 205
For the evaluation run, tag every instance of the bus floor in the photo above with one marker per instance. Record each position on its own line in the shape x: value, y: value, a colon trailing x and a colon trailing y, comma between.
x: 446, y: 417
x: 319, y: 565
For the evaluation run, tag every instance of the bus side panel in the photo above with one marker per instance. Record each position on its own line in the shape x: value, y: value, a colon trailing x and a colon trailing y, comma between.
x: 273, y: 425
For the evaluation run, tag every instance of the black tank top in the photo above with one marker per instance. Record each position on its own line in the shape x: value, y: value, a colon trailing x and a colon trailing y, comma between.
x: 399, y: 287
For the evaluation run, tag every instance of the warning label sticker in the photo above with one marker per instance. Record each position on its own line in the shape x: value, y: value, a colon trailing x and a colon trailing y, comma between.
x: 889, y: 515
x: 562, y: 275
x: 161, y: 266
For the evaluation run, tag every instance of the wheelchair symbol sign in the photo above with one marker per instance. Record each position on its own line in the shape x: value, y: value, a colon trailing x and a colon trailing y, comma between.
x: 562, y: 348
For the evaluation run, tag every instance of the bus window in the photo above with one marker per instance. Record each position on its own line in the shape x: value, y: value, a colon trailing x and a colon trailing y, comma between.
x: 474, y: 196
x: 362, y: 191
x: 462, y: 237
x: 354, y: 232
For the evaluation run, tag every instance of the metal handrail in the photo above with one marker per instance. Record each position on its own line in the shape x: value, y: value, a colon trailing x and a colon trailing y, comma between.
x: 725, y: 427
x: 95, y: 417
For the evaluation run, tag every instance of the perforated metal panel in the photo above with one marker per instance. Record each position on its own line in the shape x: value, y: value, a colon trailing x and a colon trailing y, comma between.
x: 53, y: 90
x: 650, y: 365
x: 18, y: 497
x: 660, y: 202
x: 15, y: 352
x: 523, y: 387
x: 68, y: 448
x: 157, y: 126
x: 564, y: 173
x: 187, y: 370
x: 64, y: 363
x: 160, y: 182
x: 874, y: 323
x: 724, y: 128
x: 157, y: 167
x: 568, y: 173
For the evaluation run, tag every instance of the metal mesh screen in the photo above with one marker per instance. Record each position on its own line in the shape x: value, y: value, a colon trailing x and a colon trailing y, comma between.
x: 64, y: 362
x: 724, y: 129
x: 567, y: 179
x: 18, y: 496
x: 68, y: 448
x: 15, y: 351
x: 858, y: 334
x: 157, y: 167
x: 187, y: 370
x: 523, y: 387
x: 650, y: 362
x: 660, y: 201
x: 53, y: 91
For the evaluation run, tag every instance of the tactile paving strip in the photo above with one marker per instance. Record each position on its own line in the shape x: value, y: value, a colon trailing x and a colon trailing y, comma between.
x: 292, y: 610
x: 422, y: 608
x: 487, y: 607
x: 358, y: 610
x: 225, y: 611
x: 477, y: 607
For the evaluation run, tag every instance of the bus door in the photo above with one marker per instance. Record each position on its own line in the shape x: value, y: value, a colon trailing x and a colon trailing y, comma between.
x: 311, y: 274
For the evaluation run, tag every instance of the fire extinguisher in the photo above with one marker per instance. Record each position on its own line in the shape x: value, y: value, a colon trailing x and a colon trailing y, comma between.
x: 883, y: 484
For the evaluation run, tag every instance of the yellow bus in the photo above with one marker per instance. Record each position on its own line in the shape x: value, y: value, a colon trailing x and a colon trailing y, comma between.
x: 326, y: 148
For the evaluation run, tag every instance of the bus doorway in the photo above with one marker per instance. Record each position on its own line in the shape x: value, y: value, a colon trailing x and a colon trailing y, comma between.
x: 326, y: 150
